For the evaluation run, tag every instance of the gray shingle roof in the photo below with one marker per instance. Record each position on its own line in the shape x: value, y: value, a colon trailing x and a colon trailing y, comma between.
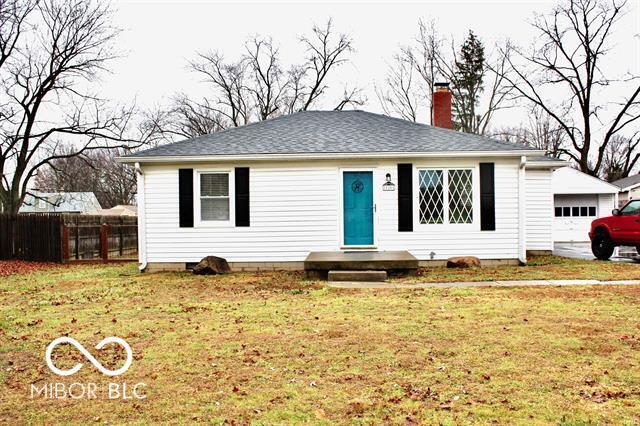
x: 544, y: 158
x: 628, y: 181
x: 334, y: 132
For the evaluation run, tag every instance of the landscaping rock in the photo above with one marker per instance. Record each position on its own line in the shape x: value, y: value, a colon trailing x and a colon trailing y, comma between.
x: 212, y: 265
x: 463, y: 262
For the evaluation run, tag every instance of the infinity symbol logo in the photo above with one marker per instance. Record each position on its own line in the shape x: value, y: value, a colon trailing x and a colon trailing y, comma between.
x: 95, y: 362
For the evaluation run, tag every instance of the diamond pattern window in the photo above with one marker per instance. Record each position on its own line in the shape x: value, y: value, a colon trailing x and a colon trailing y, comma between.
x: 460, y: 196
x: 431, y: 196
x: 214, y: 196
x: 445, y: 196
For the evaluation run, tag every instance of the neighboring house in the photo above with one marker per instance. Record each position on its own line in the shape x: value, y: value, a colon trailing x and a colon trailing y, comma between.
x: 578, y: 200
x: 269, y: 193
x: 629, y: 189
x: 119, y: 210
x: 60, y: 202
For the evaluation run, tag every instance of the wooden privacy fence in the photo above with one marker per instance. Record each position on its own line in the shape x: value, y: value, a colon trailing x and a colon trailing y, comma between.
x: 31, y: 237
x: 68, y: 238
x: 101, y: 238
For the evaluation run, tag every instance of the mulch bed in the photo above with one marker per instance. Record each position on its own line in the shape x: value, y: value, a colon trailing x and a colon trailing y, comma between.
x: 12, y: 267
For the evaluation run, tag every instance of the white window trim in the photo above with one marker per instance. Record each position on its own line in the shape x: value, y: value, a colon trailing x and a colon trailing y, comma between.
x: 475, y: 199
x: 196, y: 195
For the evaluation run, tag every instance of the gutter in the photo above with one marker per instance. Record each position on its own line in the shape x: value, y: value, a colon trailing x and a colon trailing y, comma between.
x: 547, y: 164
x: 522, y: 246
x: 322, y: 156
x: 142, y: 235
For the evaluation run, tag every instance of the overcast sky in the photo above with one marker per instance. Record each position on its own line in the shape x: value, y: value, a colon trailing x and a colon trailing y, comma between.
x: 159, y: 38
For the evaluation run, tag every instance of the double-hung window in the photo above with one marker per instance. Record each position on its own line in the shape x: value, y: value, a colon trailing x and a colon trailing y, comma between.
x: 214, y: 196
x: 445, y: 196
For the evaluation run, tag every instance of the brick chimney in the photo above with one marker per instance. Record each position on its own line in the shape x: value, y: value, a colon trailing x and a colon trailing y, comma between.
x: 442, y: 106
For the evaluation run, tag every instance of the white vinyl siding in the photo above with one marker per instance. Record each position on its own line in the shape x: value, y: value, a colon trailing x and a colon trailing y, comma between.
x: 606, y: 203
x: 295, y: 209
x: 539, y: 210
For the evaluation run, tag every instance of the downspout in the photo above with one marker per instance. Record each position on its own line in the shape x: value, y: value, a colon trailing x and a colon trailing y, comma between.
x: 142, y: 236
x: 522, y: 246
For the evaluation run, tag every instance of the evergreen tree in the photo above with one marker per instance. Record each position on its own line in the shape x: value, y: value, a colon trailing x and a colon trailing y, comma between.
x: 467, y: 82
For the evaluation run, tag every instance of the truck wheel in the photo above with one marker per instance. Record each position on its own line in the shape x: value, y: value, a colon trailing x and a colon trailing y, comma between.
x: 602, y: 247
x: 638, y: 249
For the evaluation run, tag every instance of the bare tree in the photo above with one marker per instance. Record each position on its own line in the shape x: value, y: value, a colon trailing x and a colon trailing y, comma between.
x: 258, y: 86
x: 409, y: 82
x: 269, y: 81
x: 351, y: 96
x: 95, y: 171
x: 185, y: 119
x: 13, y: 17
x: 565, y: 64
x: 425, y: 58
x: 540, y: 132
x: 620, y: 157
x: 229, y: 83
x: 400, y: 94
x: 45, y: 79
x: 325, y: 51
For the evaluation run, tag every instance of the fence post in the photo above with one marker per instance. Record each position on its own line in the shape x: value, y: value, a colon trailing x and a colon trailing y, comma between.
x: 120, y: 242
x: 77, y: 241
x: 65, y: 242
x: 104, y: 241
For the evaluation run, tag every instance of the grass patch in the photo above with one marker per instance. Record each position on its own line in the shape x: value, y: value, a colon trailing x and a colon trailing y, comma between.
x: 537, y: 268
x: 274, y: 348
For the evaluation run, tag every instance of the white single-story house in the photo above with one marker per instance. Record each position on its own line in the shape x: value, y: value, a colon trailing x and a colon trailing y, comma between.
x: 267, y: 194
x: 60, y: 202
x: 629, y: 189
x: 578, y: 199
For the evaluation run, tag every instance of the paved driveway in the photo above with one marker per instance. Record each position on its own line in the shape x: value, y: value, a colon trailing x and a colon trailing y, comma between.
x: 583, y: 251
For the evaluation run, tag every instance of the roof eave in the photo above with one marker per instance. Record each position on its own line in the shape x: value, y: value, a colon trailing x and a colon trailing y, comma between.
x: 322, y: 156
x: 628, y: 187
x: 547, y: 164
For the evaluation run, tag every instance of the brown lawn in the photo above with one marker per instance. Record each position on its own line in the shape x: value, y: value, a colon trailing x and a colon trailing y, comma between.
x: 274, y: 348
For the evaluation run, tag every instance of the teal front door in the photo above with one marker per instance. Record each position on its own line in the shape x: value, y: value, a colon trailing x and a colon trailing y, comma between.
x: 358, y: 208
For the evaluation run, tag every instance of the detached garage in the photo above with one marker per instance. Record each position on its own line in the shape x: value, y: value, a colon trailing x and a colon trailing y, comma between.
x: 578, y: 199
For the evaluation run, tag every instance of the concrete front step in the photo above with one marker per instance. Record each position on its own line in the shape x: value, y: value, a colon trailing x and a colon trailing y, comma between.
x: 319, y: 263
x: 370, y: 276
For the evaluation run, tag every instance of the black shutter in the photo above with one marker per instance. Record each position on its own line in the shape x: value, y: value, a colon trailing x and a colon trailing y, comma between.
x: 405, y: 197
x: 242, y: 196
x: 487, y: 197
x: 185, y: 187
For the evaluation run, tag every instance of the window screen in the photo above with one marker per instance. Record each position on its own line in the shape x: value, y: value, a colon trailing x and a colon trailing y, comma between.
x: 214, y: 196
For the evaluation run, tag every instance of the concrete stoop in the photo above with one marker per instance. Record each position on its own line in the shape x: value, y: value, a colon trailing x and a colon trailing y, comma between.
x: 357, y: 276
x: 364, y: 265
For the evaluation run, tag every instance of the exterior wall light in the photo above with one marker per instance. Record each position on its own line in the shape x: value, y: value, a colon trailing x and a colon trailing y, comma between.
x: 388, y: 185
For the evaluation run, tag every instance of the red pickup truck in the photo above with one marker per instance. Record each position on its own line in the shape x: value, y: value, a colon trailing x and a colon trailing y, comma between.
x: 621, y: 229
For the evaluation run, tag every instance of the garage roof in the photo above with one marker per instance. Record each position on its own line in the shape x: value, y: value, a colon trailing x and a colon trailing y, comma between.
x: 568, y: 180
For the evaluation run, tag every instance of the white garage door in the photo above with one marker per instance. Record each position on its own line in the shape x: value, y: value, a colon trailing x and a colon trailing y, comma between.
x: 573, y: 215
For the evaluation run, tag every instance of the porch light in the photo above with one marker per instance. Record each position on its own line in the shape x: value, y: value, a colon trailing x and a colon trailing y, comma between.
x: 388, y: 185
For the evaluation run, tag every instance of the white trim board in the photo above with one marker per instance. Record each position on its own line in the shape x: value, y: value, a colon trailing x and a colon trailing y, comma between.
x: 328, y: 156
